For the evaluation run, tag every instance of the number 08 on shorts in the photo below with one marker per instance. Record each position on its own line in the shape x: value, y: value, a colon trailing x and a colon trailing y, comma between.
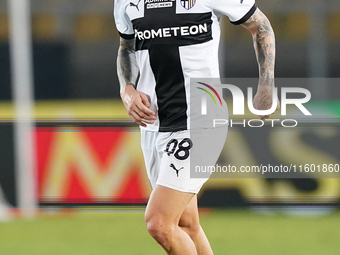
x: 171, y: 157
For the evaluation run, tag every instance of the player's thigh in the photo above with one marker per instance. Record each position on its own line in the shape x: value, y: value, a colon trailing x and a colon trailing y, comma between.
x: 166, y: 205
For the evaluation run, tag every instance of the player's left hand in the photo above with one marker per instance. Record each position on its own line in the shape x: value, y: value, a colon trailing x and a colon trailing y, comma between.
x: 263, y: 100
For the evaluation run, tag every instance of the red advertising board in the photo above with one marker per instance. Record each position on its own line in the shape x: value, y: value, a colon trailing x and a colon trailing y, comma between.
x: 90, y: 165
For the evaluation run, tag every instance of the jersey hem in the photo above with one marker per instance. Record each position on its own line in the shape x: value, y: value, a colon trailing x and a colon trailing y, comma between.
x: 172, y: 129
x: 165, y: 130
x: 245, y: 17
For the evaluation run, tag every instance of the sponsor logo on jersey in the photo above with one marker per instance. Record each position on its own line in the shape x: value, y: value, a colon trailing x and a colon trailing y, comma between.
x: 188, y: 4
x: 172, y: 31
x: 152, y: 4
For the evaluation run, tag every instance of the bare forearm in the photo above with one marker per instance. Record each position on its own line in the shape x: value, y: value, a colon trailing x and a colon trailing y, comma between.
x: 127, y: 67
x: 136, y: 103
x: 264, y: 44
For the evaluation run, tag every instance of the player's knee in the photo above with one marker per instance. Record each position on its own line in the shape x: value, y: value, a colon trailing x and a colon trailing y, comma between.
x: 191, y: 227
x: 194, y: 230
x: 160, y: 231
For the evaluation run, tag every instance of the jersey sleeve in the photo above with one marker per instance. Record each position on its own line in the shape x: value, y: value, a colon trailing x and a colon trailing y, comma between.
x: 123, y: 23
x: 238, y: 11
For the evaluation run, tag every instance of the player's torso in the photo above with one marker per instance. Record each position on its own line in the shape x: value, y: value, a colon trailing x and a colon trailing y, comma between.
x: 175, y: 40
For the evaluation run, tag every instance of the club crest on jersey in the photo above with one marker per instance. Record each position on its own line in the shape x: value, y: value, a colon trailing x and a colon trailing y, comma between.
x: 188, y: 4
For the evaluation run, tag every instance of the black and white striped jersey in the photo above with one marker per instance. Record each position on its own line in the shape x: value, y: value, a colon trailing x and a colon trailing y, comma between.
x: 175, y: 40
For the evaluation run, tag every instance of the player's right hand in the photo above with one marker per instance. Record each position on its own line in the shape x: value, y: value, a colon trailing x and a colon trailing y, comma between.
x: 137, y: 104
x: 263, y: 100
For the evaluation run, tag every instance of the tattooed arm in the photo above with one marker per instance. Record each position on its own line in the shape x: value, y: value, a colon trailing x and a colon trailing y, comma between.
x: 264, y: 44
x: 136, y: 103
x: 127, y: 67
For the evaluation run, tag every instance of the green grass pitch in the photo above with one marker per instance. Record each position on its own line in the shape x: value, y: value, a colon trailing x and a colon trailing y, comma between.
x: 124, y: 233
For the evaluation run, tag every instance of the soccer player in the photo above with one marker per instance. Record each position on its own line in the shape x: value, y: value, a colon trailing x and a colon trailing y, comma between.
x: 165, y: 43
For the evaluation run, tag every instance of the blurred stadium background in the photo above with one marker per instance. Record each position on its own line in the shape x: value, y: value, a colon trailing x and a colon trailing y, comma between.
x: 88, y: 157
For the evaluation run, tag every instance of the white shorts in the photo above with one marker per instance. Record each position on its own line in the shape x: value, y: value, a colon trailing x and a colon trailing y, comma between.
x: 168, y: 156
